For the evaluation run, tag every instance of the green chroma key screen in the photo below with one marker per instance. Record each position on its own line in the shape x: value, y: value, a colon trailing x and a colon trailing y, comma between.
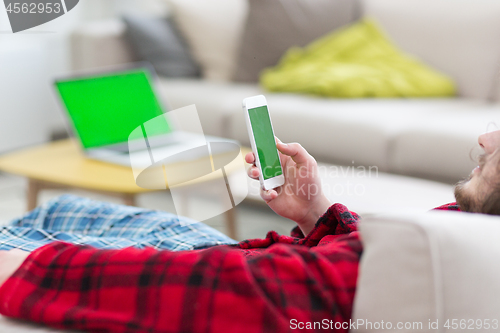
x: 106, y: 108
x: 265, y: 142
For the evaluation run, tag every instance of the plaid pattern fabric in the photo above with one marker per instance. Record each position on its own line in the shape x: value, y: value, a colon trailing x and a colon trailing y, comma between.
x: 102, y: 225
x: 256, y: 286
x: 450, y: 206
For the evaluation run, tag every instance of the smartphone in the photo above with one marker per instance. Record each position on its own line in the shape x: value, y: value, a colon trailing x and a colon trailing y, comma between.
x: 260, y: 130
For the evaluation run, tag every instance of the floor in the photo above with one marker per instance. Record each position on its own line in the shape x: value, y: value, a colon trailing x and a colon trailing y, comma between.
x: 253, y: 220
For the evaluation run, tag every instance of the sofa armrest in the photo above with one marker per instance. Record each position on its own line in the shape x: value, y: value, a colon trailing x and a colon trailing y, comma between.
x: 426, y: 270
x: 100, y: 44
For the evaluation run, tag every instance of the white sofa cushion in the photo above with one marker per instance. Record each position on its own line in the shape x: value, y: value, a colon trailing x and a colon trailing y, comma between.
x: 367, y: 191
x: 421, y: 137
x: 331, y: 130
x: 428, y: 267
x: 213, y: 30
x: 458, y: 37
x: 439, y: 142
x: 378, y: 132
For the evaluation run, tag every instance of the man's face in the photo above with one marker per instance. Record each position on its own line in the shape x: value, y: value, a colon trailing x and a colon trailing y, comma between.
x: 472, y: 193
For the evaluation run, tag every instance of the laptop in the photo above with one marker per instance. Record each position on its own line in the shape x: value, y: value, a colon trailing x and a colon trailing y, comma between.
x: 104, y: 108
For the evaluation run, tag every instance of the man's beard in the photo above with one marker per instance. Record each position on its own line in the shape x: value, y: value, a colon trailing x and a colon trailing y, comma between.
x: 464, y: 199
x: 467, y: 201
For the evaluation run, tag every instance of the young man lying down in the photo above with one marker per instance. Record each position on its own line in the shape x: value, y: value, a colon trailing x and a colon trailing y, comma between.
x: 150, y: 271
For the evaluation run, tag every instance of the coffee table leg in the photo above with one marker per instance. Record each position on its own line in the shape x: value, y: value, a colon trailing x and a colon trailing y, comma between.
x: 129, y: 199
x: 34, y: 188
x: 230, y: 216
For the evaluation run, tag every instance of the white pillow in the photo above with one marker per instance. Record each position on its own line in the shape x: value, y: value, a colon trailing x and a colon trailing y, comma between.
x: 458, y: 37
x: 213, y: 30
x: 430, y: 267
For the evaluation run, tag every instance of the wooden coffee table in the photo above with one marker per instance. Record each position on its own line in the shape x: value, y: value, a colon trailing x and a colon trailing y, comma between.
x: 61, y: 164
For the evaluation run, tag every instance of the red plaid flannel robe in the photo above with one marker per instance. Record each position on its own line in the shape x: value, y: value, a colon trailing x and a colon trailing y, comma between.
x: 256, y: 286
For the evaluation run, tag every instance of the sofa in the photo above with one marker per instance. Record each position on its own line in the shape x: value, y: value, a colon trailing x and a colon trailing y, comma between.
x: 429, y: 269
x: 425, y: 137
x: 429, y: 272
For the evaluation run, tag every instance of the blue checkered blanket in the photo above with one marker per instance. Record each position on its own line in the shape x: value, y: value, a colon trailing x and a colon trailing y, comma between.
x: 79, y: 220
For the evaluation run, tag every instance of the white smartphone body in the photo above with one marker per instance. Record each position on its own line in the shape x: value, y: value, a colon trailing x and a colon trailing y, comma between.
x: 263, y: 142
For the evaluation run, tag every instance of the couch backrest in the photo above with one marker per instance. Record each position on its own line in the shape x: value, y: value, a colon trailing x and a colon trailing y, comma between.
x: 272, y: 27
x: 458, y: 37
x: 429, y: 267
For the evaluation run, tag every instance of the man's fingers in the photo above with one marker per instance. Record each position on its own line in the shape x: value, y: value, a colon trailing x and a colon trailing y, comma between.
x: 250, y: 158
x: 298, y: 154
x: 253, y: 172
x: 268, y: 195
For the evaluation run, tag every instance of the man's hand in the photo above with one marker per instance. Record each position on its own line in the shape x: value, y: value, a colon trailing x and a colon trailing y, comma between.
x: 10, y: 261
x: 300, y: 199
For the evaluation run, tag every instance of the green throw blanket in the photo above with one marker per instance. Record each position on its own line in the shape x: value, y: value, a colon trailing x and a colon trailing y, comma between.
x: 357, y: 61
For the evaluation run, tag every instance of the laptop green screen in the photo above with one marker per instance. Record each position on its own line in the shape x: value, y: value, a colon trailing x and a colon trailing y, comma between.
x: 106, y: 108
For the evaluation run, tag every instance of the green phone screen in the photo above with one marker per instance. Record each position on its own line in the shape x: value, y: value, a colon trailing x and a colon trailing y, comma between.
x: 265, y: 142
